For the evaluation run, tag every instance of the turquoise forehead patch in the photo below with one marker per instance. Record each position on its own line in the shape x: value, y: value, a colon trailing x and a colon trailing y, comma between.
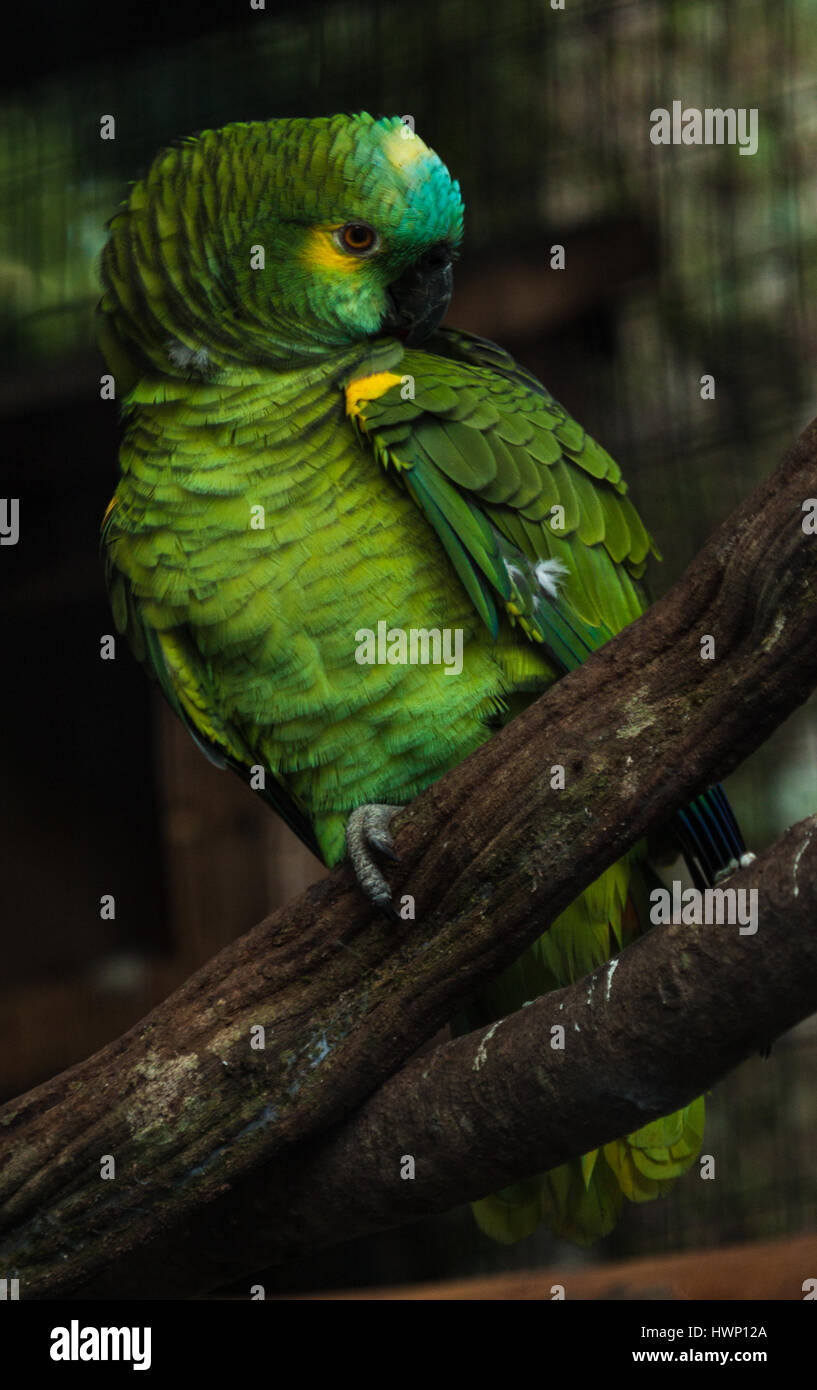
x: 411, y: 181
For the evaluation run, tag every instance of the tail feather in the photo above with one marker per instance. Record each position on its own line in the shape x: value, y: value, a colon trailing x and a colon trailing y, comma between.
x: 709, y: 835
x: 581, y: 1199
x: 572, y: 1208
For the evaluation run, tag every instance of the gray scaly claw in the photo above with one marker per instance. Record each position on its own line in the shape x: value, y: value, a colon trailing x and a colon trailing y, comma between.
x: 367, y: 829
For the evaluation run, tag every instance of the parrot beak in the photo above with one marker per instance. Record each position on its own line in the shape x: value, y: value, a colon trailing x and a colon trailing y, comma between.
x: 419, y: 298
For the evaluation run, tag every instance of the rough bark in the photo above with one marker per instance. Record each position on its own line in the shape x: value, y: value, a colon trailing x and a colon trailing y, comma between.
x: 491, y: 854
x: 642, y: 1036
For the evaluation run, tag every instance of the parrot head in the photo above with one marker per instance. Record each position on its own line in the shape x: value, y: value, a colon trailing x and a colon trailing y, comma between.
x: 275, y: 241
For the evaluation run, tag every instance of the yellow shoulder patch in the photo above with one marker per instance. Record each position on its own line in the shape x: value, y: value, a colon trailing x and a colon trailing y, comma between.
x: 109, y: 509
x: 368, y: 388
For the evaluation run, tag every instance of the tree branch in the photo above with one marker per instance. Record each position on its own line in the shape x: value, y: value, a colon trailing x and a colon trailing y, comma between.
x: 679, y: 1009
x: 502, y: 1103
x: 189, y: 1110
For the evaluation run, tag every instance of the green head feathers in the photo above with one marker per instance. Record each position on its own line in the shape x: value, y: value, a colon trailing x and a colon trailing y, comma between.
x: 272, y: 241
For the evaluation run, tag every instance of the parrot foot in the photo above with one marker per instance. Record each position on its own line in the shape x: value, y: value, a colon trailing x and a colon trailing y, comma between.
x: 734, y: 864
x: 367, y: 829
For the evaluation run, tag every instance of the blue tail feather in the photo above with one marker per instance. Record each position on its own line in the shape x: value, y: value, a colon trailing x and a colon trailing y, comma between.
x: 709, y: 835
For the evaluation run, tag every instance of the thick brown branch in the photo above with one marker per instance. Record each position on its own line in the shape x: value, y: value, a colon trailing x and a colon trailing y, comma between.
x: 491, y: 854
x: 677, y: 1010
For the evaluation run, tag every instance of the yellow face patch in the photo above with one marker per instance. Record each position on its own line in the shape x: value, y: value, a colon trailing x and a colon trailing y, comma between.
x: 403, y: 148
x: 368, y: 388
x: 321, y: 253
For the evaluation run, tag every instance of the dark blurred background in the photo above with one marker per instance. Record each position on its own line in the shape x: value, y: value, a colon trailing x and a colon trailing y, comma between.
x: 680, y: 261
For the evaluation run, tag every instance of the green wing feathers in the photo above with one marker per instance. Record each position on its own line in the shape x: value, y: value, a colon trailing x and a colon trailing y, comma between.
x: 508, y: 480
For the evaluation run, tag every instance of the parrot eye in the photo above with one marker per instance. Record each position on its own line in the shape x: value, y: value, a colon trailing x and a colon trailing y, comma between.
x: 357, y: 237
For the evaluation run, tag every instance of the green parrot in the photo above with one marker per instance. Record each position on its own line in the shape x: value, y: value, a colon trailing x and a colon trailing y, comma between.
x: 308, y: 460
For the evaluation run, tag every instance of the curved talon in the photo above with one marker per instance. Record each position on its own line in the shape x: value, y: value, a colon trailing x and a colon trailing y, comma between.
x: 367, y: 829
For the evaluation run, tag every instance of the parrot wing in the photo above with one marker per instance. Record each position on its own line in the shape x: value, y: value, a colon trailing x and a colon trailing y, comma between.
x: 535, y: 518
x: 532, y: 512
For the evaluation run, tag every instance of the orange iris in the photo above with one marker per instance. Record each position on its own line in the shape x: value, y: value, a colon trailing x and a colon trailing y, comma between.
x: 356, y: 236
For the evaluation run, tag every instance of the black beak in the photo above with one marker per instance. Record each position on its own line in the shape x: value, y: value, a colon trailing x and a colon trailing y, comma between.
x: 418, y: 300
